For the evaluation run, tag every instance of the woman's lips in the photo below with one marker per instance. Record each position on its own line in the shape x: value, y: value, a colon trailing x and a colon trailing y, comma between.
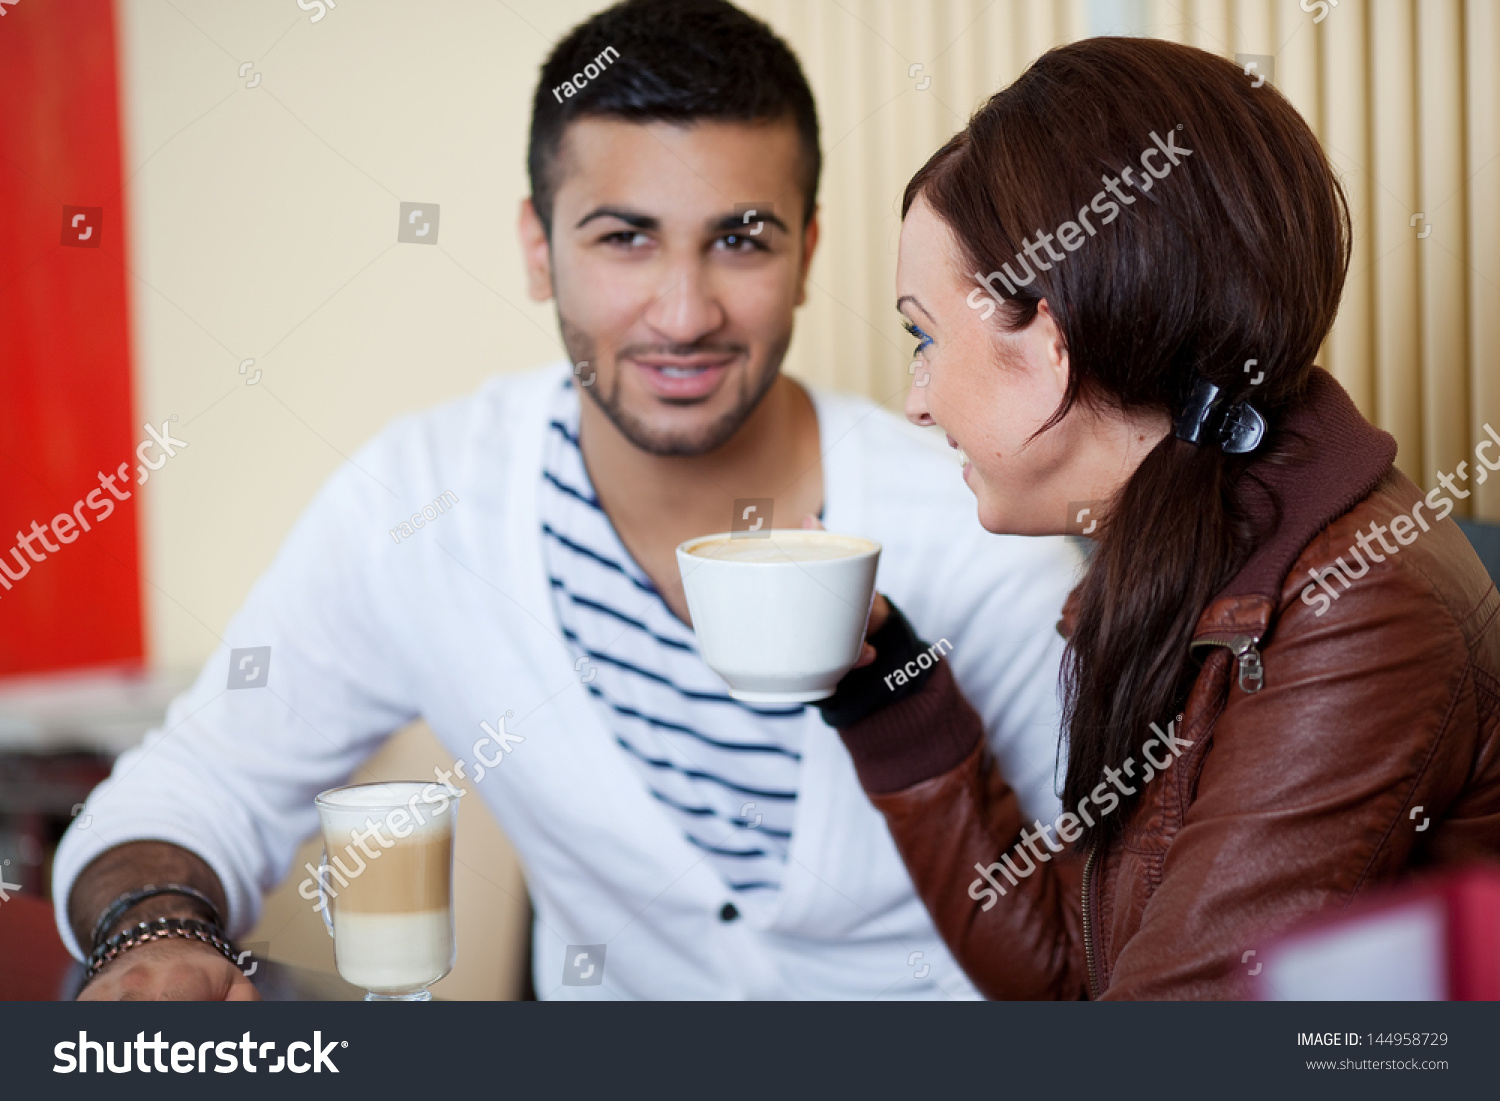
x: 963, y: 458
x: 682, y: 379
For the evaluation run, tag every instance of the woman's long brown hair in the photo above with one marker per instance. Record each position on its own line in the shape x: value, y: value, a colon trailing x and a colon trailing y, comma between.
x: 1238, y: 253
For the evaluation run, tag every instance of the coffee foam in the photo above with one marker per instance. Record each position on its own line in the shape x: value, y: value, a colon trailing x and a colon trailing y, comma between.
x: 394, y: 806
x: 782, y: 547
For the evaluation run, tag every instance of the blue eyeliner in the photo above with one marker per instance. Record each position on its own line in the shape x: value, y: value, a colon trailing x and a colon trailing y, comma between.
x: 917, y: 332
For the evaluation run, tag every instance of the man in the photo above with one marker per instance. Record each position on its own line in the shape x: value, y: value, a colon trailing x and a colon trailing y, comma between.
x: 716, y: 849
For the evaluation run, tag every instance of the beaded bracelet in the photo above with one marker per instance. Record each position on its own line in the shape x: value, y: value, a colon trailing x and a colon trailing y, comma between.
x: 130, y: 899
x: 147, y: 931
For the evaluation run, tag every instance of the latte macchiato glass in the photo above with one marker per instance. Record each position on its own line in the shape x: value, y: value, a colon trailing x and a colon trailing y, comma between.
x: 779, y: 615
x: 386, y: 885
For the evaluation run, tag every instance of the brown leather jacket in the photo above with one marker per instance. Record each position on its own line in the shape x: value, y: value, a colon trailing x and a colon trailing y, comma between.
x: 1363, y: 746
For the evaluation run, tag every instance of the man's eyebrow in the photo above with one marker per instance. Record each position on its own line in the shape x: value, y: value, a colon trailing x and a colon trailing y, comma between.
x: 631, y: 218
x: 726, y: 223
x: 913, y: 300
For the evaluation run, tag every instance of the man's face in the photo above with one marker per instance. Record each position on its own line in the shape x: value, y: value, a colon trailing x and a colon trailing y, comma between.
x: 681, y: 306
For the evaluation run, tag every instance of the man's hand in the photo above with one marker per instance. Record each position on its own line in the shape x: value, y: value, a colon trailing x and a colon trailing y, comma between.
x: 171, y: 970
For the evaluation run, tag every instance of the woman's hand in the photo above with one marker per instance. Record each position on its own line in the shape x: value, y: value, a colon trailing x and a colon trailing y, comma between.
x: 879, y: 608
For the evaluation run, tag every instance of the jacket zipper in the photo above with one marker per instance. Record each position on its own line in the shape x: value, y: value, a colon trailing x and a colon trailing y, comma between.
x: 1088, y: 925
x: 1252, y: 677
x: 1252, y: 672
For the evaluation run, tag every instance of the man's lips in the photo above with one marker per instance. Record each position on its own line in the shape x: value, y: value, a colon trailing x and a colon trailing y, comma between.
x: 682, y: 377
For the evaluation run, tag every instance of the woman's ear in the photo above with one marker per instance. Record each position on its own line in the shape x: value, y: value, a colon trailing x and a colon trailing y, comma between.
x: 1048, y: 340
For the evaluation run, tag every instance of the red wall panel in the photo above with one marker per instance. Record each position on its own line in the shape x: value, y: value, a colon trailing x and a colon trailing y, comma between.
x: 65, y: 375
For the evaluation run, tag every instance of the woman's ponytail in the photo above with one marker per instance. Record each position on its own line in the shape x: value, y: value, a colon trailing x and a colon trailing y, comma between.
x: 1225, y: 267
x: 1171, y: 539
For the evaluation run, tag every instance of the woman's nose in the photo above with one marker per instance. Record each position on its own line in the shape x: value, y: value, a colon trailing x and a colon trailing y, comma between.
x: 916, y: 396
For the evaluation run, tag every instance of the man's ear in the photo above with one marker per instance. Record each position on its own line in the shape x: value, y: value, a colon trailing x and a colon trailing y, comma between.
x: 809, y: 246
x: 536, y: 253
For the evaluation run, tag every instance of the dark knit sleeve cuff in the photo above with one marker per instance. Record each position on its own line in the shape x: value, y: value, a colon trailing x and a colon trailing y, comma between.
x: 928, y: 733
x: 902, y: 717
x: 895, y: 674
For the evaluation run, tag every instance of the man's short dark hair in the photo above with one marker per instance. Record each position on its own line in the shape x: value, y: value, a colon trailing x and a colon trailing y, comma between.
x: 671, y: 61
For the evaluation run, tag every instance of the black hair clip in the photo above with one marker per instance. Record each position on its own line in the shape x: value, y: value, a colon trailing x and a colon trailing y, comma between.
x: 1237, y: 429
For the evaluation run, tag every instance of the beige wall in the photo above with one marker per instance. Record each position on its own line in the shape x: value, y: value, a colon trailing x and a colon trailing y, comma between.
x: 264, y: 221
x: 264, y: 224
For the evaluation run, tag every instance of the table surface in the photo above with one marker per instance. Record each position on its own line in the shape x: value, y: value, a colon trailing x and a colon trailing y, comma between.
x: 35, y: 967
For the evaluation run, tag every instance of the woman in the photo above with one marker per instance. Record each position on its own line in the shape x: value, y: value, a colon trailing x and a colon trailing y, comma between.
x: 1119, y: 275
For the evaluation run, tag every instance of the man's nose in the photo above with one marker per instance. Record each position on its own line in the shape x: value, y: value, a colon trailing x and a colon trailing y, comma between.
x: 685, y: 308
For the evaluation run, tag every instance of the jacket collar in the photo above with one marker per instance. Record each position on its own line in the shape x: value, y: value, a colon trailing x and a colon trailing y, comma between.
x: 1345, y: 457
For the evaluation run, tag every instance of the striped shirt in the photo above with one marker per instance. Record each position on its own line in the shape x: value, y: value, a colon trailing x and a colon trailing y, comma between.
x: 726, y: 771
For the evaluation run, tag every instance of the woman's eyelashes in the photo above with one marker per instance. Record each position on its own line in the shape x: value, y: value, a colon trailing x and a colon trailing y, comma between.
x: 923, y: 340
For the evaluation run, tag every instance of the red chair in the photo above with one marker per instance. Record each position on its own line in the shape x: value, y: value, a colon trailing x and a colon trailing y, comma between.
x: 34, y: 965
x: 1436, y: 939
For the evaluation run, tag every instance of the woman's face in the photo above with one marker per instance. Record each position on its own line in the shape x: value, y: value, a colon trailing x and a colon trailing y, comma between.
x: 990, y: 390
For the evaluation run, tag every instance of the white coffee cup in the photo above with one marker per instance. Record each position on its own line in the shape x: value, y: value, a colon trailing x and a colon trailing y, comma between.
x: 779, y: 615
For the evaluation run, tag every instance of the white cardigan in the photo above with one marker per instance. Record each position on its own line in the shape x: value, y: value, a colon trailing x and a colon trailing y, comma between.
x: 455, y: 624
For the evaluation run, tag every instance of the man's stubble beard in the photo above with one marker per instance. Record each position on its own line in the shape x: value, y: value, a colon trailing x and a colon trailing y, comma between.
x: 581, y: 347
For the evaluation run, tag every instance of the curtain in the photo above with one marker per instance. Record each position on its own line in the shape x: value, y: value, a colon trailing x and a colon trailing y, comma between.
x: 1404, y: 95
